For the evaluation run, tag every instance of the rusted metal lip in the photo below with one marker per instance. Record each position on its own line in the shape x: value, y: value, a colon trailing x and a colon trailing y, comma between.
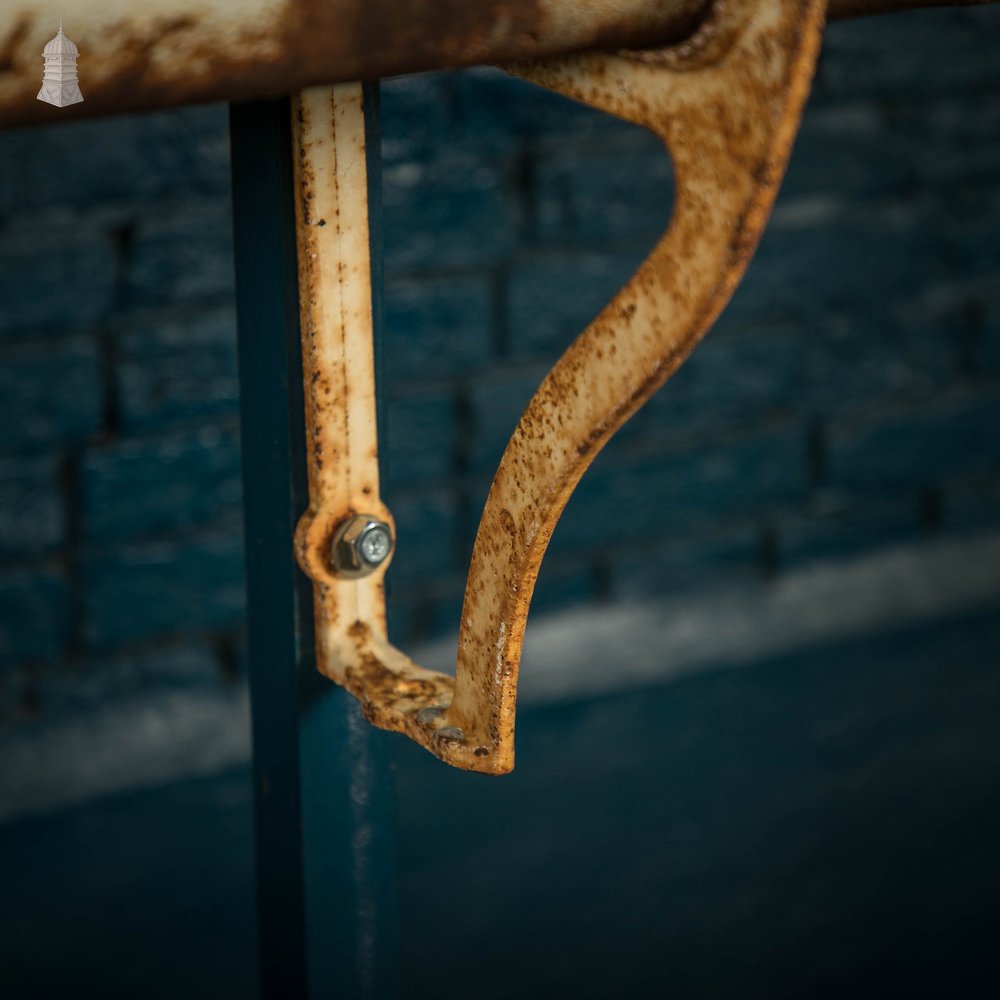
x: 165, y: 53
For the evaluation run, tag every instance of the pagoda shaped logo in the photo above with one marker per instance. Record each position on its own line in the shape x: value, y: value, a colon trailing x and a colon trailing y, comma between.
x: 59, y: 84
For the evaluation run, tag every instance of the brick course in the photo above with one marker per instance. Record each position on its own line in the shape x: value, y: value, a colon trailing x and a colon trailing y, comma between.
x: 50, y: 394
x: 33, y: 616
x: 32, y: 516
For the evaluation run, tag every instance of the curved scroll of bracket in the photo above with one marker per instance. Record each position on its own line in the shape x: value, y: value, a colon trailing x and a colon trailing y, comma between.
x: 727, y: 104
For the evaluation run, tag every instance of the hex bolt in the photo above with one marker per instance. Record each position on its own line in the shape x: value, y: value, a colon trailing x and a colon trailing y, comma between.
x: 361, y: 544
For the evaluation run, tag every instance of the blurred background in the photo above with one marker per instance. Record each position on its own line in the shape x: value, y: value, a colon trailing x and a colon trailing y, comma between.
x: 757, y: 748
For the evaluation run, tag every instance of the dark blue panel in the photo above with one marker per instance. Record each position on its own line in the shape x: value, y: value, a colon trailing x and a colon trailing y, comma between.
x: 323, y: 818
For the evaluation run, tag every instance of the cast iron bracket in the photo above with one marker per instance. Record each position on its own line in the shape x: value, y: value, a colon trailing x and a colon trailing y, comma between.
x: 727, y: 104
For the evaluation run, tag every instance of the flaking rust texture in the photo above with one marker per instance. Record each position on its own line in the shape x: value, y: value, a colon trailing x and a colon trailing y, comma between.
x: 727, y: 103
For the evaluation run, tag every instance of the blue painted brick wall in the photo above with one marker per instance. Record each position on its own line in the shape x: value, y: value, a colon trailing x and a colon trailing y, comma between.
x: 176, y: 366
x: 33, y: 615
x: 32, y: 511
x: 47, y: 252
x: 144, y: 487
x: 33, y: 376
x: 134, y: 592
x: 847, y: 401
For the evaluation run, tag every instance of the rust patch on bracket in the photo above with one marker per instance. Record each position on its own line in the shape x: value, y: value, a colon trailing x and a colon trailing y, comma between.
x: 727, y: 104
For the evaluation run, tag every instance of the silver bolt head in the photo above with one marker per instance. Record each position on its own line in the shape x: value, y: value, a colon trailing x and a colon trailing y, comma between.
x: 361, y: 544
x: 374, y: 544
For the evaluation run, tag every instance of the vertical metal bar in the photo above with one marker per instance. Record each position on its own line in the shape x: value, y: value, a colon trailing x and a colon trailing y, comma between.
x: 322, y: 784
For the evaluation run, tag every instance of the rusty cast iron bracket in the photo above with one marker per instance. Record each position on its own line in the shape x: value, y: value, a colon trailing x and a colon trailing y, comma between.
x: 727, y: 103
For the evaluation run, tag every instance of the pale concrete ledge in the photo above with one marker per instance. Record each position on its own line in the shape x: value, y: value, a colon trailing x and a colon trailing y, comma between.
x: 581, y: 653
x: 127, y: 745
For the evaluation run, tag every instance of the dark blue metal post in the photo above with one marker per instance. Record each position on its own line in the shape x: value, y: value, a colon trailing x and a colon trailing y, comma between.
x: 322, y: 781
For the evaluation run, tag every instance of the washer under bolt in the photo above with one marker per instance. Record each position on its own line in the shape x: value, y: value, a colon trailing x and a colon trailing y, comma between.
x: 361, y: 544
